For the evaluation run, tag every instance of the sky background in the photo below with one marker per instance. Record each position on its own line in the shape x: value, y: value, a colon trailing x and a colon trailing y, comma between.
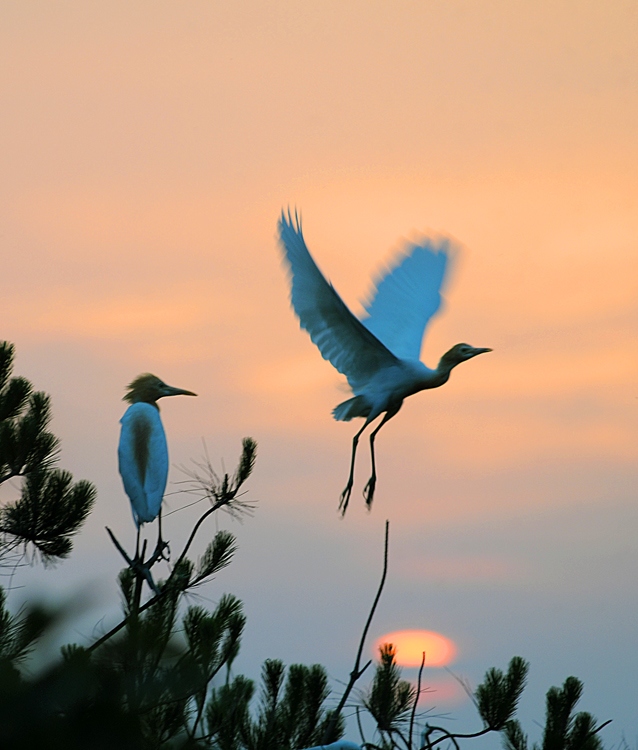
x: 147, y: 149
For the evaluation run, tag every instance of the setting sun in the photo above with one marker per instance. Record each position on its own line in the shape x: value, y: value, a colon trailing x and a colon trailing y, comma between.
x: 410, y: 645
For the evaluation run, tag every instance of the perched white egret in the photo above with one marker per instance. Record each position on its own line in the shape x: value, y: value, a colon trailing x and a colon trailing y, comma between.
x: 142, y: 452
x: 379, y: 354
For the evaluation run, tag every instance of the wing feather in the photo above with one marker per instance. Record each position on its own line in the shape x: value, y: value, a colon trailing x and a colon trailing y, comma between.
x: 341, y: 338
x: 144, y: 471
x: 406, y: 297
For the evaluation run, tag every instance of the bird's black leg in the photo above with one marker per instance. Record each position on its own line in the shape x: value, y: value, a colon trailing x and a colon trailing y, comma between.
x: 368, y: 491
x: 137, y: 543
x: 345, y: 495
x: 161, y: 544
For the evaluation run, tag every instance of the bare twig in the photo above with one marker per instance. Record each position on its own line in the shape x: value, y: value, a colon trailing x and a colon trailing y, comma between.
x: 397, y: 731
x: 599, y: 727
x: 453, y: 737
x: 356, y: 670
x: 116, y: 629
x: 358, y: 715
x: 416, y: 699
x: 446, y: 736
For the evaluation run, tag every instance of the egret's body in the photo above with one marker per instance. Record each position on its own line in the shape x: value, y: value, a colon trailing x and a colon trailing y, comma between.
x: 143, y: 451
x: 143, y: 457
x: 379, y: 355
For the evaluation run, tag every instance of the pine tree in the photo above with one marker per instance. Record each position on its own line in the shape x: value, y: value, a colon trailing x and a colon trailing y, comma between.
x: 564, y: 730
x: 50, y: 510
x: 51, y: 507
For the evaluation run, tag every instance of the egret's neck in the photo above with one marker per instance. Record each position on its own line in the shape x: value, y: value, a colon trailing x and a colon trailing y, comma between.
x: 141, y: 399
x: 443, y: 370
x: 426, y: 378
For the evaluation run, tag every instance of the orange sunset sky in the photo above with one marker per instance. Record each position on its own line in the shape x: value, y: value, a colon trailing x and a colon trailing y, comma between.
x: 146, y: 151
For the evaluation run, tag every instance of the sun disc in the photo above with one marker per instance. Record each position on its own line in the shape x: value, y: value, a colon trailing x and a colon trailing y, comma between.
x: 410, y: 645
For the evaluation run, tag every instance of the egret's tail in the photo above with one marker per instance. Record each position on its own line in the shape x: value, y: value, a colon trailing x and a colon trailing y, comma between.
x: 353, y: 407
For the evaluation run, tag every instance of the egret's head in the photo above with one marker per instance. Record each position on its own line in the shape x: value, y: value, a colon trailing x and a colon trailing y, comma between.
x: 149, y: 388
x: 460, y: 353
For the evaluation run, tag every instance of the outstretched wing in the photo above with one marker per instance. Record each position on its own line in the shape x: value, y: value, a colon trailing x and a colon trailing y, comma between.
x: 408, y: 296
x: 341, y: 338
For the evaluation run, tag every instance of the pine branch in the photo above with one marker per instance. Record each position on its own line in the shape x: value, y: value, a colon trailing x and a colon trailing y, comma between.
x: 417, y: 695
x: 356, y: 670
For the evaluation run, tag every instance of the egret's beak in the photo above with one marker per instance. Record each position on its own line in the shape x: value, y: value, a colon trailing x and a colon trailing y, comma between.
x: 169, y: 390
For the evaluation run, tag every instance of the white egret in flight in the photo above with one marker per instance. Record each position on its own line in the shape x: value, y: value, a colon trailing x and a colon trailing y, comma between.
x: 379, y: 354
x: 142, y: 452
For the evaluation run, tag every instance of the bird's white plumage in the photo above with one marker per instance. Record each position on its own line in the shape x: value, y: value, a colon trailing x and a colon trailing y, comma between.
x: 340, y: 337
x: 407, y: 296
x: 379, y: 355
x: 144, y: 469
x: 403, y: 301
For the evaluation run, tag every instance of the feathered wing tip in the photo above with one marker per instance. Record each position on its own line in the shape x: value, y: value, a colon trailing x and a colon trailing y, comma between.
x: 290, y: 238
x: 407, y: 293
x: 286, y: 223
x: 433, y: 254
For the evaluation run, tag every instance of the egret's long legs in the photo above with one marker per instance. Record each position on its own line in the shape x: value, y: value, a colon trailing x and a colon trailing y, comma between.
x: 137, y: 543
x: 345, y: 495
x: 161, y: 544
x: 368, y: 490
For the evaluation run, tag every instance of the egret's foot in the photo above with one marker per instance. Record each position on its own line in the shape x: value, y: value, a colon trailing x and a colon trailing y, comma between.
x: 368, y: 491
x: 162, y: 550
x: 345, y: 499
x: 144, y: 571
